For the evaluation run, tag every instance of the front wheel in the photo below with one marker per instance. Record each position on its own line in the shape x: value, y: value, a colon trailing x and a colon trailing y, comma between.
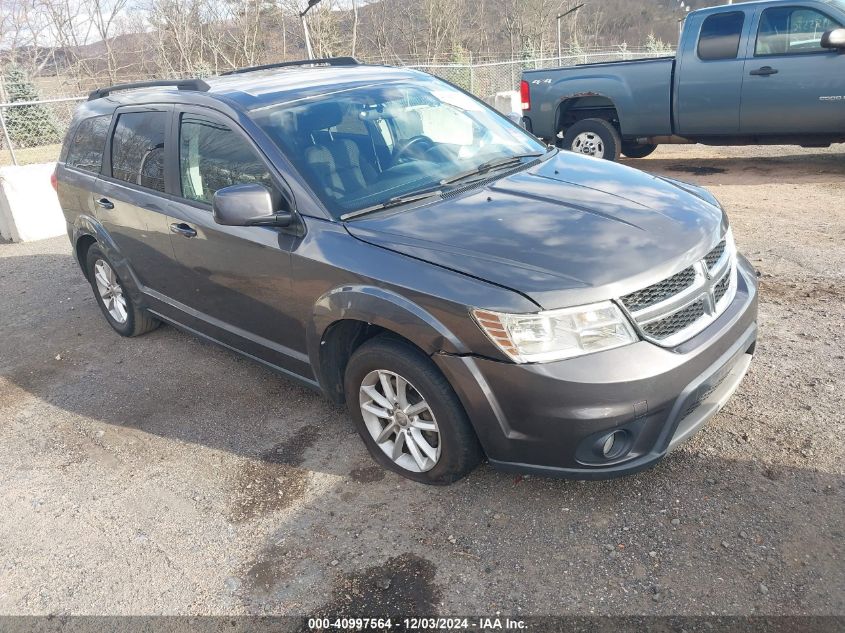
x: 638, y: 150
x: 408, y: 414
x: 593, y: 137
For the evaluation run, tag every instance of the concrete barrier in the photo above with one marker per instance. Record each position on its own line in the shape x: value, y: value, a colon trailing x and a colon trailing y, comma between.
x: 506, y: 102
x: 29, y: 208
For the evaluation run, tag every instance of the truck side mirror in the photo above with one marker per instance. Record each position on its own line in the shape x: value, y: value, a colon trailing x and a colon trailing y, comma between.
x: 834, y: 39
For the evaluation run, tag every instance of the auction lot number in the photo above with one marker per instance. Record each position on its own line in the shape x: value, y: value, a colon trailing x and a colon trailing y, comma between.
x: 380, y: 624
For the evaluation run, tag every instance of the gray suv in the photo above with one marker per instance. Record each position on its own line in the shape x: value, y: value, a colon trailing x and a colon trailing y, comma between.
x: 384, y: 237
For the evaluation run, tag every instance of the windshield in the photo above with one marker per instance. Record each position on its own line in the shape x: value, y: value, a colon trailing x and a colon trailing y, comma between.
x: 366, y: 146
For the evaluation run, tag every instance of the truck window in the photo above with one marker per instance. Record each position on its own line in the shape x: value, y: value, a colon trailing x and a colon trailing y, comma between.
x: 720, y: 35
x: 792, y: 30
x: 137, y: 151
x: 85, y: 148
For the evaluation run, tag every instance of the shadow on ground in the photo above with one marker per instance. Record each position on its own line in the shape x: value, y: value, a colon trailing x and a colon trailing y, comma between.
x: 758, y: 170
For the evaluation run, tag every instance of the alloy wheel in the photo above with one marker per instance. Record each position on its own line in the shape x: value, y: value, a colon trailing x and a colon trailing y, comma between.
x: 400, y: 420
x: 111, y: 292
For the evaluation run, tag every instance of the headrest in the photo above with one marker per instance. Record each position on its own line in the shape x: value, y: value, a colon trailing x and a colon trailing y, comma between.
x: 320, y: 116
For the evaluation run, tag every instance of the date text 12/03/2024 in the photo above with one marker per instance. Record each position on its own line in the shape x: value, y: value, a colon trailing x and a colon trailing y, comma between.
x: 416, y: 624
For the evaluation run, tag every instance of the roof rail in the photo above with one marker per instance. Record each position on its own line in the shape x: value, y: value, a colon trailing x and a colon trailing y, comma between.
x: 325, y: 61
x: 182, y: 84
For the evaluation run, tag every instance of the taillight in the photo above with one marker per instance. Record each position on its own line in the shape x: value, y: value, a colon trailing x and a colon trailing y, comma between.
x: 525, y: 95
x: 54, y: 179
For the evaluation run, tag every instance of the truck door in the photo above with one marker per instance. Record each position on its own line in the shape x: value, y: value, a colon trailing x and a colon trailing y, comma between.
x: 793, y: 85
x: 709, y: 75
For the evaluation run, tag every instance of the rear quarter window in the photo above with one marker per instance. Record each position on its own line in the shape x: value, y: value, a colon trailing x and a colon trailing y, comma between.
x: 720, y: 36
x: 85, y: 146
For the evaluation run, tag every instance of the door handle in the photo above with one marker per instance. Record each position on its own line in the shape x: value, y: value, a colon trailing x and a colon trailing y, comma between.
x: 765, y: 71
x: 105, y: 203
x: 183, y: 229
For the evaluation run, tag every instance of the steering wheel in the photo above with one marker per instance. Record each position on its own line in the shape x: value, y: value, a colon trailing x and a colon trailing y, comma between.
x: 415, y: 145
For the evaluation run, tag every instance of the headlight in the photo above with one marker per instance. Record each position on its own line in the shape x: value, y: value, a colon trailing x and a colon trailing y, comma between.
x: 557, y: 334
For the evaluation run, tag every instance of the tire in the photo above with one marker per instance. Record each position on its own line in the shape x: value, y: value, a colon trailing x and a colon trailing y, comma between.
x: 593, y: 137
x: 637, y: 150
x: 135, y: 321
x: 454, y: 441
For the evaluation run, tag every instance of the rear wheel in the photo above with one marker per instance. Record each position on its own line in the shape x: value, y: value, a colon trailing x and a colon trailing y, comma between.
x: 117, y: 306
x: 593, y: 137
x: 637, y: 150
x: 408, y: 414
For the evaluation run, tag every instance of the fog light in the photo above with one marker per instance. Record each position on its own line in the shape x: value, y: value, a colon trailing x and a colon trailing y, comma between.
x: 607, y: 447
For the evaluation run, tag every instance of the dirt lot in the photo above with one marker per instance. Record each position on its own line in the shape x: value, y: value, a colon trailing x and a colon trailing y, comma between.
x: 164, y: 475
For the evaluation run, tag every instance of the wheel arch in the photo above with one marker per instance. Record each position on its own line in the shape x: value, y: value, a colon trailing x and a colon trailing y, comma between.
x: 86, y: 232
x: 346, y: 317
x: 83, y: 243
x: 586, y: 106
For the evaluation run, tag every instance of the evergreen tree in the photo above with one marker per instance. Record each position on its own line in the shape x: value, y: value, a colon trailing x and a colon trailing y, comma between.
x: 28, y: 125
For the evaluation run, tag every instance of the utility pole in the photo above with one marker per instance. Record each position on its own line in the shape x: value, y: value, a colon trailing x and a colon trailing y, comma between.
x: 559, y: 18
x: 311, y: 5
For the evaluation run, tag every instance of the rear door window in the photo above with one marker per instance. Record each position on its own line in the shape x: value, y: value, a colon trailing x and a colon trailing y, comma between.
x: 137, y: 151
x: 720, y: 36
x: 85, y: 147
x: 212, y: 156
x: 792, y: 31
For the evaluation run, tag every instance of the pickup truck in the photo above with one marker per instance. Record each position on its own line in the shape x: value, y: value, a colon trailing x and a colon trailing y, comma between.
x: 755, y: 73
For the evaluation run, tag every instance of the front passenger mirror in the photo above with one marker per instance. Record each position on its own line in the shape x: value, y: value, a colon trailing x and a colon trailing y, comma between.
x: 248, y: 205
x: 834, y: 39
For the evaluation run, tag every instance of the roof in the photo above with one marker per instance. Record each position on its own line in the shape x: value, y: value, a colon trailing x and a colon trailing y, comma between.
x: 840, y: 4
x: 250, y: 90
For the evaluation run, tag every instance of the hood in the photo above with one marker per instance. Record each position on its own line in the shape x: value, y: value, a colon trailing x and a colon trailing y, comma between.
x: 571, y: 230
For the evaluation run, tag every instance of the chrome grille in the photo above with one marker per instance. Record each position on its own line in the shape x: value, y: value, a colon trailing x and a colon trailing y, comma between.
x: 678, y: 307
x: 722, y: 287
x: 660, y: 291
x: 675, y: 322
x: 712, y: 258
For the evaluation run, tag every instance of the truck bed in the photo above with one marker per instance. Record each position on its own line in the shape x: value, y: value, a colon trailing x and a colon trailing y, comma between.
x: 642, y: 87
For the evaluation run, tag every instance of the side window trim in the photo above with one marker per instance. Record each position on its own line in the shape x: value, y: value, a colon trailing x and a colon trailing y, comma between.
x: 756, y: 33
x: 106, y: 171
x: 174, y: 180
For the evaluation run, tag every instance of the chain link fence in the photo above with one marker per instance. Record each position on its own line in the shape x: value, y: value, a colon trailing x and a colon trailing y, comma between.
x: 485, y: 79
x: 32, y: 131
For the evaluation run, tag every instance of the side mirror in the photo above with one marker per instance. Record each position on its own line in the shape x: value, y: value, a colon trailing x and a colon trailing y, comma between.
x: 834, y: 39
x: 248, y: 205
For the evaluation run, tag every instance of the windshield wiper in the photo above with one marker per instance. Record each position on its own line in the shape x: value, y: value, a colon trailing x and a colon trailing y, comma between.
x: 483, y: 168
x: 393, y: 202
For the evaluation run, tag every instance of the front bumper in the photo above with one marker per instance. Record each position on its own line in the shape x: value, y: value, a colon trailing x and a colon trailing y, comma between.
x: 552, y: 418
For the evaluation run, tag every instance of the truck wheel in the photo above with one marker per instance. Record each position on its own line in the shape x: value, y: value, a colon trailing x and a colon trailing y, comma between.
x: 593, y: 137
x: 637, y: 150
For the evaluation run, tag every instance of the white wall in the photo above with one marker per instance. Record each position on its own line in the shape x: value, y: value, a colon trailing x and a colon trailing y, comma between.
x: 29, y: 208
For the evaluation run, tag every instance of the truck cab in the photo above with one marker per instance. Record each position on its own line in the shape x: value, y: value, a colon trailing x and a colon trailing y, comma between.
x: 770, y: 72
x: 760, y: 69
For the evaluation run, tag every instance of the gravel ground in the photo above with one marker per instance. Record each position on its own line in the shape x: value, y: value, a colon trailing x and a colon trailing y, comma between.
x: 162, y: 475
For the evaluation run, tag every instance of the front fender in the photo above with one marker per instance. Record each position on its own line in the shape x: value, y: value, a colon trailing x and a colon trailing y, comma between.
x: 385, y: 308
